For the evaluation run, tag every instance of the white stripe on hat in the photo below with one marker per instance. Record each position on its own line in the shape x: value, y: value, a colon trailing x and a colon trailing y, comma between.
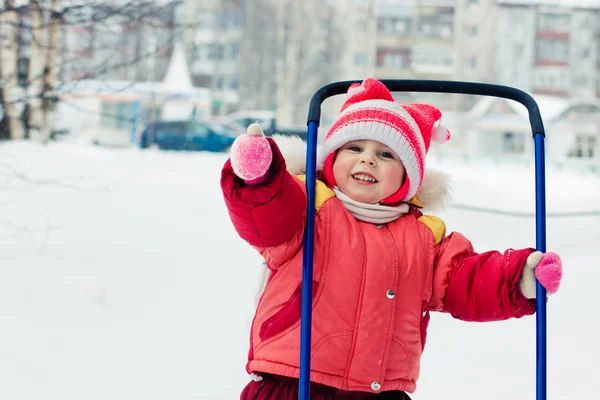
x: 389, y: 106
x: 382, y: 132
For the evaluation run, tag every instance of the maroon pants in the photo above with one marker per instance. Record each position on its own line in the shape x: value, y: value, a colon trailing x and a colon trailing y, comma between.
x: 274, y: 387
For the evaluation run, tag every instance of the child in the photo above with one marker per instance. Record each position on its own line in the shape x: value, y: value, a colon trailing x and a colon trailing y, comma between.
x: 380, y: 265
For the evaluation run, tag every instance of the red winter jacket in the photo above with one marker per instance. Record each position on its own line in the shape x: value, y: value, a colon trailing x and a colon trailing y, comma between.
x: 373, y: 285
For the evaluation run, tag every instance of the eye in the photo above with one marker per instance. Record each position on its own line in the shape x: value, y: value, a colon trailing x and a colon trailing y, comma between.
x: 387, y: 154
x: 353, y: 148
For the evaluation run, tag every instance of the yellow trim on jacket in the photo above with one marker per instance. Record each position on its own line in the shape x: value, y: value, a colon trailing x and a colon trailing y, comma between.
x: 323, y: 193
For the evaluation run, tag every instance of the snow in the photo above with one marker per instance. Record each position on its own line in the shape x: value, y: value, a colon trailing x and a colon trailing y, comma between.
x: 122, y: 278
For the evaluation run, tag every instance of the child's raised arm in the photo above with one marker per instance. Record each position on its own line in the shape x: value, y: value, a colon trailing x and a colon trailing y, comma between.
x: 266, y: 204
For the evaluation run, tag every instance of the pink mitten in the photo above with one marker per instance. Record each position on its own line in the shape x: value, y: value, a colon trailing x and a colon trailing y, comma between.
x: 251, y: 154
x: 546, y: 267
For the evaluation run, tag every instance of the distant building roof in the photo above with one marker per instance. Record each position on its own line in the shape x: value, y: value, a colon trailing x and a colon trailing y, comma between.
x: 595, y: 4
x: 551, y: 108
x: 394, y: 8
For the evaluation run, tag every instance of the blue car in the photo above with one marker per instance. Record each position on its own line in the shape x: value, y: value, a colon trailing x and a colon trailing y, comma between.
x: 187, y: 135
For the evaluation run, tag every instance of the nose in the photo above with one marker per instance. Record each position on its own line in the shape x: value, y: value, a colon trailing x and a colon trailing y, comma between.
x: 367, y: 159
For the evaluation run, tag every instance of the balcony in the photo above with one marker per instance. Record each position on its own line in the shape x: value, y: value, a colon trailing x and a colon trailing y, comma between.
x: 552, y: 52
x: 393, y: 58
x: 432, y: 60
x: 433, y: 29
x: 436, y: 23
x: 392, y: 26
x: 547, y: 62
x: 552, y: 35
x: 551, y: 92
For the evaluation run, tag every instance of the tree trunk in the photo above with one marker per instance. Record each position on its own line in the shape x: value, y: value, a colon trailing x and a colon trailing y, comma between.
x: 50, y: 73
x: 35, y: 73
x: 12, y: 101
x: 42, y: 76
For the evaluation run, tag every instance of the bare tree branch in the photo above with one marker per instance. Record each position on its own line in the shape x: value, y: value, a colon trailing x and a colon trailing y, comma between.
x: 34, y: 26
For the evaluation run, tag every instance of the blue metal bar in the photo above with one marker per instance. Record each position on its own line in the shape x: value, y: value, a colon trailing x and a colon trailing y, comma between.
x: 540, y: 225
x: 307, y: 262
x: 431, y: 86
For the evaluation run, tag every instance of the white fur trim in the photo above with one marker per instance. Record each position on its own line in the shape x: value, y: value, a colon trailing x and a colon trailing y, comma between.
x: 293, y: 150
x: 528, y: 283
x: 435, y: 190
x: 264, y: 279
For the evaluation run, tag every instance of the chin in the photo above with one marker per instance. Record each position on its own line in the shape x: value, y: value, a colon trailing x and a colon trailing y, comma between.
x: 364, y: 199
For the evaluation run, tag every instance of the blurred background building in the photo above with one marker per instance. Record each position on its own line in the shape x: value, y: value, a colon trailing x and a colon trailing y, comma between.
x: 270, y: 56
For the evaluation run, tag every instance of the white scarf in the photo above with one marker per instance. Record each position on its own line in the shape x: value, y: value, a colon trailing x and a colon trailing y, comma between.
x: 373, y: 213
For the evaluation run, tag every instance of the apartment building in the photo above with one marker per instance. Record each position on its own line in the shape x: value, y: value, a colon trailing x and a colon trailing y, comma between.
x: 212, y: 42
x: 421, y: 39
x: 550, y: 47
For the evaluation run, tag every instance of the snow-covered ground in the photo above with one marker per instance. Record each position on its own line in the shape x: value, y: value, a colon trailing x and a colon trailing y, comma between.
x: 122, y: 278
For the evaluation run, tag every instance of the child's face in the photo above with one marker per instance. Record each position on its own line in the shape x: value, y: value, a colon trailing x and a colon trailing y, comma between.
x: 367, y: 171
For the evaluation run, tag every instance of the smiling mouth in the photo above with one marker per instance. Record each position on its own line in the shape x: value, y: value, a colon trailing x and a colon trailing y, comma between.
x: 364, y: 178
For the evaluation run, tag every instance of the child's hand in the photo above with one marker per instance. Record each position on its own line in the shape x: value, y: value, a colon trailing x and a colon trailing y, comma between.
x: 251, y: 154
x: 546, y: 267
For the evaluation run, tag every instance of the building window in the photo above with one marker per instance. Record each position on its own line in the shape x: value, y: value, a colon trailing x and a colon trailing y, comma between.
x: 233, y: 83
x: 552, y: 82
x: 552, y: 52
x: 471, y: 30
x: 584, y: 147
x: 432, y: 58
x: 230, y: 21
x: 360, y: 26
x: 513, y: 143
x: 116, y: 114
x: 325, y: 25
x: 518, y: 49
x: 436, y: 22
x: 206, y: 20
x: 394, y: 26
x: 202, y: 52
x: 360, y: 59
x: 393, y: 58
x: 585, y: 52
x: 218, y: 51
x: 235, y: 51
x: 471, y: 63
x: 592, y: 144
x: 219, y: 82
x: 554, y: 22
x: 580, y: 81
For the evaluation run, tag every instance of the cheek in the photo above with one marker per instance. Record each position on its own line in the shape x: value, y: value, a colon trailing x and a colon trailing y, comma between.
x: 341, y: 167
x: 394, y: 177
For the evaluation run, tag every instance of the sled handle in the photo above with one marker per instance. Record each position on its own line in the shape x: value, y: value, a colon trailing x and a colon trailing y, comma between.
x: 431, y: 86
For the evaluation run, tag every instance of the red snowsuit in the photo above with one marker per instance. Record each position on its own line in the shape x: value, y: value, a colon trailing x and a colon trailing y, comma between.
x: 373, y: 285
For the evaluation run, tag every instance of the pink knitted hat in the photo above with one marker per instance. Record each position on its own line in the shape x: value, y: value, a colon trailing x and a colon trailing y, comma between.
x: 370, y: 113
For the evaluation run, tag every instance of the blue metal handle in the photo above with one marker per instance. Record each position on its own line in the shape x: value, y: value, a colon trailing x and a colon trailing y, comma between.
x: 307, y: 261
x: 540, y: 228
x: 432, y: 86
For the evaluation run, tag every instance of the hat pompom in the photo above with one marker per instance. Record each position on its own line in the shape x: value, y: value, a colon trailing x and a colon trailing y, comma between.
x: 440, y: 134
x: 355, y: 88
